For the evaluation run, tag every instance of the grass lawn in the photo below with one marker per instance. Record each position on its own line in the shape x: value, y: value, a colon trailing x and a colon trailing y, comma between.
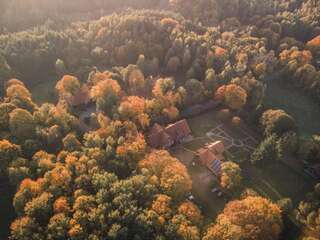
x: 203, y: 123
x: 276, y: 181
x: 304, y: 109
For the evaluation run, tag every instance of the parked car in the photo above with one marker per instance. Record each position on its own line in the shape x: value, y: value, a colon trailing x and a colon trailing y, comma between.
x: 190, y: 196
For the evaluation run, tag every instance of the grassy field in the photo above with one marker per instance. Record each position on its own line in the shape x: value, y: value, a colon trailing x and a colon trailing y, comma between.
x: 276, y: 181
x: 303, y: 108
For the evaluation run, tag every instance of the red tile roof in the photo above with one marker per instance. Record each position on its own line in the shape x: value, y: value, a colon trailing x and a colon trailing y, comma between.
x: 211, y: 156
x: 166, y: 137
x: 205, y: 156
x: 210, y: 160
x: 178, y: 130
x: 158, y: 138
x: 216, y: 147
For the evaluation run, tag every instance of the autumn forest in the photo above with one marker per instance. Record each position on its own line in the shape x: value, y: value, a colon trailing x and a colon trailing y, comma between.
x: 160, y: 119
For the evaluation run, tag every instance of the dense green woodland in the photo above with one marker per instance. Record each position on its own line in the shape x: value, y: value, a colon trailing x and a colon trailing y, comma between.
x: 145, y: 62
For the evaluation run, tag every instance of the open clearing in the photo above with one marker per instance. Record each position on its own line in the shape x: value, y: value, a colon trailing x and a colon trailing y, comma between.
x: 275, y: 180
x: 301, y: 107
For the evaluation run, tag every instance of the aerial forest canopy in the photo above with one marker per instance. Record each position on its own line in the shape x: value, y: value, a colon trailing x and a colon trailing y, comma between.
x: 114, y: 115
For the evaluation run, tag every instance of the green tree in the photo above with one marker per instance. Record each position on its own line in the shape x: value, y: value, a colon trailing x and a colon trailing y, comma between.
x: 5, y: 110
x: 270, y: 149
x: 71, y: 143
x: 40, y: 208
x: 8, y: 153
x: 195, y: 91
x: 230, y: 176
x: 22, y: 124
x: 277, y: 122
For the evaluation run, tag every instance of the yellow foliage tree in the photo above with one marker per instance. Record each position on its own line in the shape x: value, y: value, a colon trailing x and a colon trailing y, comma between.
x: 134, y: 108
x: 173, y: 175
x: 247, y: 219
x: 68, y: 85
x: 235, y: 96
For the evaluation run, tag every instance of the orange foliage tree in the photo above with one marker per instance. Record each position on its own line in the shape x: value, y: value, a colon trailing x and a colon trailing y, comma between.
x: 8, y: 153
x: 250, y: 218
x: 172, y: 174
x: 314, y: 43
x: 68, y: 85
x: 61, y: 205
x: 134, y: 108
x: 165, y: 100
x: 191, y: 212
x: 132, y: 149
x: 235, y: 96
x: 106, y: 94
x: 302, y: 57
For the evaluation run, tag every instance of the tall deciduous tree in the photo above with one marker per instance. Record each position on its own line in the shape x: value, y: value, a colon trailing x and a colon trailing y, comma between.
x: 8, y: 153
x: 134, y: 108
x: 173, y: 176
x: 106, y: 94
x: 22, y: 124
x: 68, y: 85
x: 277, y: 122
x: 230, y: 175
x: 235, y: 96
x: 250, y: 218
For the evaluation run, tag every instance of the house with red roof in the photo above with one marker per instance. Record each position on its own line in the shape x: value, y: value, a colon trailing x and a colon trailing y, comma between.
x: 178, y: 131
x: 158, y: 138
x: 211, y: 156
x: 165, y: 137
